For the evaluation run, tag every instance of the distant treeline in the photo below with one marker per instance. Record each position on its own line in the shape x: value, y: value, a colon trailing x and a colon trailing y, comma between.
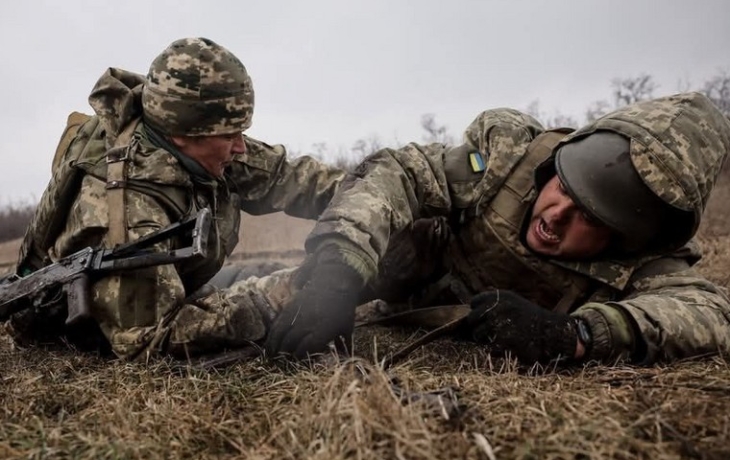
x: 14, y: 219
x: 623, y: 91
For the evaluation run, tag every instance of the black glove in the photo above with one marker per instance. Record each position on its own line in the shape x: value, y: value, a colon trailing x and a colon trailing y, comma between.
x: 321, y: 311
x: 506, y: 321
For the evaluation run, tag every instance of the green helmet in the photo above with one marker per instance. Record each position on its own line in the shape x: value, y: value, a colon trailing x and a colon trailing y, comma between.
x: 195, y: 87
x: 599, y: 176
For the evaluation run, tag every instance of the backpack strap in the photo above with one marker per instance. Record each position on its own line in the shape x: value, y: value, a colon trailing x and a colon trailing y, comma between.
x: 116, y: 159
x: 519, y: 185
x: 522, y: 180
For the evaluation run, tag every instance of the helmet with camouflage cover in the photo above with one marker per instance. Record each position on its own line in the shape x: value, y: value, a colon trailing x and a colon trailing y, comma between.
x: 196, y: 87
x: 647, y: 170
x: 597, y: 173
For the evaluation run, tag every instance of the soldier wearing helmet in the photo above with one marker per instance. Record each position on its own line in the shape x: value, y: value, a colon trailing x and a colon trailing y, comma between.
x: 567, y: 244
x: 158, y: 149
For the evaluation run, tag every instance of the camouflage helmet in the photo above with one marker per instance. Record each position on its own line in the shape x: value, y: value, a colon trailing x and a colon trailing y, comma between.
x: 599, y: 176
x: 195, y: 87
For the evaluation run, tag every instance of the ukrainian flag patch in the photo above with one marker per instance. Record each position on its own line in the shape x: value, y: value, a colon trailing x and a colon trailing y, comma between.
x: 476, y: 160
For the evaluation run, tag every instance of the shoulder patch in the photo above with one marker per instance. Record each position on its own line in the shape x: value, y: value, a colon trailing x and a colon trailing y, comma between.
x: 465, y: 163
x: 476, y: 160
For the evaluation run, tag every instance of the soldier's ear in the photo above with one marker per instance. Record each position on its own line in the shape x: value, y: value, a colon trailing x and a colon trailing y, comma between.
x: 180, y: 141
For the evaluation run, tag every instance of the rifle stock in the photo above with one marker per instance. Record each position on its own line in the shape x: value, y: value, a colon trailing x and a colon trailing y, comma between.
x: 74, y: 272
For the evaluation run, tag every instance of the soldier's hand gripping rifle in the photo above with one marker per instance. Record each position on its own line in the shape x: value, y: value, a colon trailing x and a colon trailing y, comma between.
x: 74, y: 272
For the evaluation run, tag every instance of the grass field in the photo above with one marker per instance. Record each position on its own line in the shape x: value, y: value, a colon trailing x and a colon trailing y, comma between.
x: 60, y: 404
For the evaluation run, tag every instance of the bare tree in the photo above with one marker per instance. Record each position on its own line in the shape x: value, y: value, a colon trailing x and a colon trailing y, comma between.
x: 319, y: 150
x: 684, y: 85
x: 556, y: 120
x: 625, y: 91
x: 346, y: 162
x: 435, y: 132
x: 596, y: 110
x: 14, y: 218
x: 718, y: 90
x: 533, y: 109
x: 634, y: 89
x: 366, y: 146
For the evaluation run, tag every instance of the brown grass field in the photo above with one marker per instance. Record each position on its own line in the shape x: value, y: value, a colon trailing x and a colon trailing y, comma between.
x: 55, y: 403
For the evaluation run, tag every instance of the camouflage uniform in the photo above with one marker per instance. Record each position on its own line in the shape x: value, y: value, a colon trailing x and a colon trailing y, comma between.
x: 649, y: 307
x: 154, y: 309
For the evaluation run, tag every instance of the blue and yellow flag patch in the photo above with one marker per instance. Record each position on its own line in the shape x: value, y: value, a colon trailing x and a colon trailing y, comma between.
x: 476, y: 160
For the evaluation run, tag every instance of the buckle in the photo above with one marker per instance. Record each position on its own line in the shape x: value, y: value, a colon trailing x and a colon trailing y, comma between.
x: 117, y: 154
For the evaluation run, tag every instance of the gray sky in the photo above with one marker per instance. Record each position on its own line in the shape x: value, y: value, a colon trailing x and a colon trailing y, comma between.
x: 337, y: 71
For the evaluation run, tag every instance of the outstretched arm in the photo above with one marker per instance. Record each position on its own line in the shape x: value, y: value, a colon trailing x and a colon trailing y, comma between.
x: 268, y: 182
x: 387, y: 192
x: 393, y: 188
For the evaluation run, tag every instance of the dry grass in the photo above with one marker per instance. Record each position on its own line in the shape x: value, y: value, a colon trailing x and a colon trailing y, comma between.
x: 59, y: 404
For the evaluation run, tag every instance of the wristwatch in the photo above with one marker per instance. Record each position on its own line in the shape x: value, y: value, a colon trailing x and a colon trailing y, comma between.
x: 584, y: 334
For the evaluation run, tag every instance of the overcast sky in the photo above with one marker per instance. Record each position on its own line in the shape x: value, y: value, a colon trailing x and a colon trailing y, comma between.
x: 335, y: 71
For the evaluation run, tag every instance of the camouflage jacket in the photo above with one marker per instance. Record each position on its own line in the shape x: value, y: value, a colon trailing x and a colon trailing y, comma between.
x: 648, y: 308
x: 160, y: 191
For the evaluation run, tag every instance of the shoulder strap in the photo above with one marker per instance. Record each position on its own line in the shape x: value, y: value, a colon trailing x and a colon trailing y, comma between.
x: 539, y: 150
x: 519, y: 186
x: 544, y: 144
x: 116, y: 159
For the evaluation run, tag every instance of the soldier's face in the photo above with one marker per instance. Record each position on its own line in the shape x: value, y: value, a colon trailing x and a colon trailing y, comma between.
x: 213, y: 153
x: 559, y: 228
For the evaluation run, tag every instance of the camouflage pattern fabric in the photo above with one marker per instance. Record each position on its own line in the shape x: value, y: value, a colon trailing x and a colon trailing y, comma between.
x: 145, y: 312
x: 195, y: 87
x: 678, y: 145
x: 648, y: 308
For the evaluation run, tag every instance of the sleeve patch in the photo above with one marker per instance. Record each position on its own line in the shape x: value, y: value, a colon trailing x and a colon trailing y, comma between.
x: 476, y: 160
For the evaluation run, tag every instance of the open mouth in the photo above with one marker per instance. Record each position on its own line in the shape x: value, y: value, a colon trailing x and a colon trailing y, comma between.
x: 545, y: 233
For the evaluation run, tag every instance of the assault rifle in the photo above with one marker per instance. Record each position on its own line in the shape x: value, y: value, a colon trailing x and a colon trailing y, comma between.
x: 74, y: 273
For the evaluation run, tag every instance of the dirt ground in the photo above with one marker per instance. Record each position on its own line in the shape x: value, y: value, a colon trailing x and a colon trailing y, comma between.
x: 60, y: 404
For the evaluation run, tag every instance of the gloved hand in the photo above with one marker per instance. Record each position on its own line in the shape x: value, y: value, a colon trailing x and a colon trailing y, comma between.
x: 506, y: 321
x: 321, y: 311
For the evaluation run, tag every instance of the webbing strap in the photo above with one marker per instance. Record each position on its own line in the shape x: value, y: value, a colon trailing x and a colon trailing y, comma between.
x: 116, y: 159
x: 544, y: 144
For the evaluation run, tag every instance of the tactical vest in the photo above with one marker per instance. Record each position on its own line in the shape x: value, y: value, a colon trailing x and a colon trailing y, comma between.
x: 487, y: 253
